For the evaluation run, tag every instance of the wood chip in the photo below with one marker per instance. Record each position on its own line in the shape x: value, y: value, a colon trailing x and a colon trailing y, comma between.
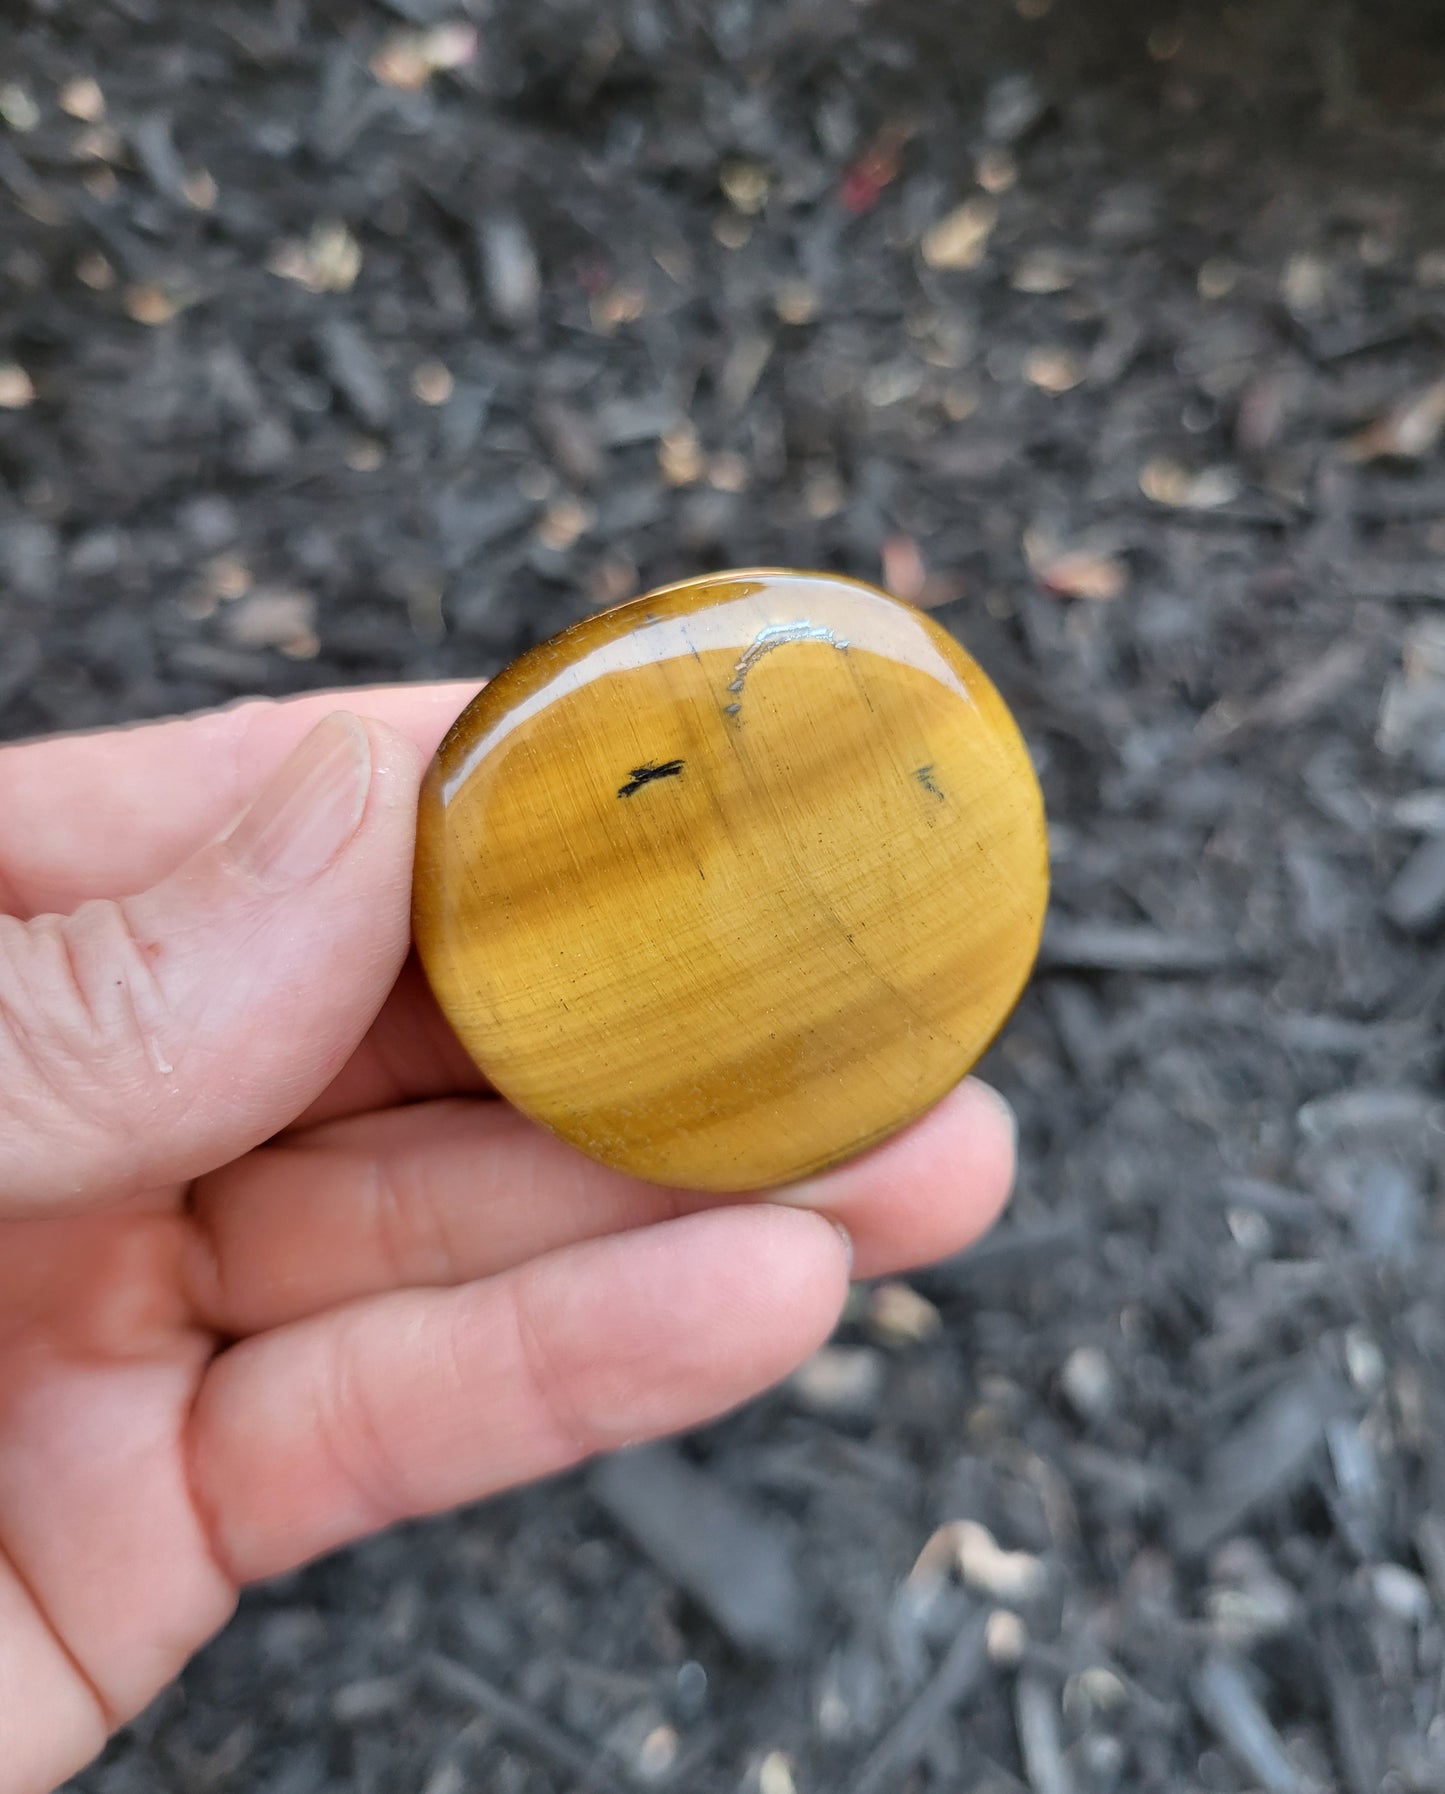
x: 151, y: 305
x: 328, y: 261
x: 1009, y: 1257
x: 564, y: 523
x: 1409, y: 432
x: 986, y: 1566
x: 1083, y: 573
x: 617, y: 306
x: 1054, y: 371
x: 904, y: 571
x: 432, y: 382
x: 1168, y: 482
x: 200, y: 190
x: 958, y: 1676
x: 1088, y: 1383
x: 898, y: 1316
x: 99, y: 143
x: 733, y: 231
x: 737, y: 1562
x: 82, y: 98
x: 796, y: 302
x: 840, y: 1380
x: 775, y: 1774
x: 743, y: 369
x: 352, y: 366
x: 1229, y: 1705
x: 273, y: 617
x: 1267, y: 1456
x: 823, y: 495
x: 365, y: 454
x: 1415, y: 901
x: 613, y: 581
x: 407, y: 60
x: 228, y: 578
x: 100, y: 183
x: 866, y: 179
x: 510, y: 270
x: 462, y: 1683
x: 680, y: 458
x: 1217, y: 278
x: 728, y: 472
x: 658, y: 1753
x: 1006, y: 1638
x: 1305, y: 285
x: 1042, y: 272
x: 1131, y: 947
x: 155, y: 150
x: 745, y: 186
x: 1036, y: 1714
x: 95, y: 272
x: 1300, y: 695
x: 960, y: 240
x: 17, y: 390
x: 996, y: 171
x: 17, y: 109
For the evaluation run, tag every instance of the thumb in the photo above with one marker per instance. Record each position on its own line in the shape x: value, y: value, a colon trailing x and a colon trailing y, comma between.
x: 147, y: 1039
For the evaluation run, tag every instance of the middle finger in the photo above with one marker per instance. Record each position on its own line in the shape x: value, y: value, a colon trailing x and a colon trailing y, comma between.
x: 447, y: 1192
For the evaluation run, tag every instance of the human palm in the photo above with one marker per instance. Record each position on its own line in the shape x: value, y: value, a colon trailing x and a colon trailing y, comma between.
x: 275, y: 1269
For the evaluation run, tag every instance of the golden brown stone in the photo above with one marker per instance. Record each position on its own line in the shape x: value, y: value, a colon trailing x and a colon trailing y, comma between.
x: 731, y: 882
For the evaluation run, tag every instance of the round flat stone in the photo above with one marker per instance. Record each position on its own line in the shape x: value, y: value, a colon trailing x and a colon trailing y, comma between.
x: 731, y: 882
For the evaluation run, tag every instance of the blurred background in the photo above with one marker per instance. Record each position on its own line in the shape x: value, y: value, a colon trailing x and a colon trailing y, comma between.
x: 347, y: 341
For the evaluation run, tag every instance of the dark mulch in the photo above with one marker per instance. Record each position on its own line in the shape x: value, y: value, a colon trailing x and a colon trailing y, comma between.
x: 1165, y: 456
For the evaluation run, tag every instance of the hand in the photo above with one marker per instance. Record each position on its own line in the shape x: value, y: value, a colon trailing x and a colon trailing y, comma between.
x: 274, y: 1269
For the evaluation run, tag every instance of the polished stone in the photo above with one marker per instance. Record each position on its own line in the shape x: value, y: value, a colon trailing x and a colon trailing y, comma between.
x: 731, y: 882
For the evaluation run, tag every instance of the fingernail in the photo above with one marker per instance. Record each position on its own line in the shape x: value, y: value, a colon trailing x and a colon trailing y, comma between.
x: 847, y: 1239
x: 310, y: 808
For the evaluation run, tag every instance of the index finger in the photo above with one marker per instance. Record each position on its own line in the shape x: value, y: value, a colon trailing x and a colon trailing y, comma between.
x: 107, y: 814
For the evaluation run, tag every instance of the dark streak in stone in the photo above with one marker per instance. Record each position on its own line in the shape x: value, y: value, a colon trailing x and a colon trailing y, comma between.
x: 924, y: 775
x: 644, y: 775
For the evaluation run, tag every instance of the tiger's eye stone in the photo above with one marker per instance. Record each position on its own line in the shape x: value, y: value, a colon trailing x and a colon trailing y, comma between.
x: 731, y: 882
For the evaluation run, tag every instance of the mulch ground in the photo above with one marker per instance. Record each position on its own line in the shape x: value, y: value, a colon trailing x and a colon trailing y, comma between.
x: 343, y: 342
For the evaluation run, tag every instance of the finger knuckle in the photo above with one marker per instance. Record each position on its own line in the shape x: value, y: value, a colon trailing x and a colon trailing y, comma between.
x: 554, y: 1390
x: 354, y: 1440
x: 83, y: 1015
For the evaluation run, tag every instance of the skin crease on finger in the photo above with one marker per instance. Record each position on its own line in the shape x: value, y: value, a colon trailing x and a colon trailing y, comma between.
x: 128, y: 1023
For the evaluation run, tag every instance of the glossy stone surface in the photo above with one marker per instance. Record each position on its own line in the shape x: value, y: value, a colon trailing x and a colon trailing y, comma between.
x: 733, y: 881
